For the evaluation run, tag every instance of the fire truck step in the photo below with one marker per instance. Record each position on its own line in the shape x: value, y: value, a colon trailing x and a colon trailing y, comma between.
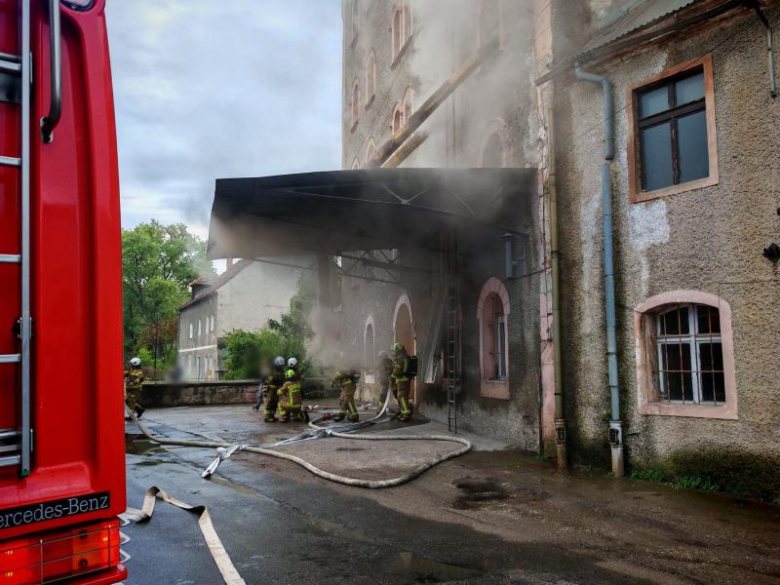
x: 11, y: 358
x: 10, y: 461
x: 10, y: 161
x: 6, y: 434
x: 10, y: 259
x: 10, y: 64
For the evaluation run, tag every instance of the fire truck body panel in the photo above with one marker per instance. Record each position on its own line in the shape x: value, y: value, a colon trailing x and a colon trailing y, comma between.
x: 76, y: 287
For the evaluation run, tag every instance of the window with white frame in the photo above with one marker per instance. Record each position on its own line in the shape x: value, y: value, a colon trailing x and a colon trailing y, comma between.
x: 493, y: 338
x: 501, y: 346
x: 200, y: 324
x: 192, y: 331
x: 690, y: 364
x: 213, y: 324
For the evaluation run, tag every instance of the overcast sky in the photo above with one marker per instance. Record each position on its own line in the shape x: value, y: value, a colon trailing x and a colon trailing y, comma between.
x: 220, y: 88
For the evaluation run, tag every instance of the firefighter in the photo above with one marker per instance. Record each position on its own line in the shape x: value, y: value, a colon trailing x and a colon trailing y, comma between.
x: 134, y: 377
x: 384, y: 367
x: 400, y: 383
x: 291, y: 398
x: 346, y: 382
x: 273, y: 382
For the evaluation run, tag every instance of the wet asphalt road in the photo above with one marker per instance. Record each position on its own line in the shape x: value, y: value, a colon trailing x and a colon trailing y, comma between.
x: 487, y: 517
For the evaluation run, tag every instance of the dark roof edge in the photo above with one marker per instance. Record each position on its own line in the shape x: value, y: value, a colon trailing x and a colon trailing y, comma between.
x: 224, y: 278
x: 624, y: 43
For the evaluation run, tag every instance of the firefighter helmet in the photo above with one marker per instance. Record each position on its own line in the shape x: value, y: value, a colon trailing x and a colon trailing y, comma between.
x: 279, y: 361
x: 290, y: 374
x: 292, y: 362
x: 398, y: 347
x: 135, y: 362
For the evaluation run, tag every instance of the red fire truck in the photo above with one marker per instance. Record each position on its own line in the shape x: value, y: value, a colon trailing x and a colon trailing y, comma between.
x: 62, y: 481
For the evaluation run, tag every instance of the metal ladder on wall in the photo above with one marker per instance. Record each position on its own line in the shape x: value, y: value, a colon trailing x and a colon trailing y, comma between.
x: 452, y: 344
x: 16, y: 443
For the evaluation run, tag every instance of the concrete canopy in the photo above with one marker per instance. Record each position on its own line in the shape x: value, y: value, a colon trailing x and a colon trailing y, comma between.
x: 340, y: 211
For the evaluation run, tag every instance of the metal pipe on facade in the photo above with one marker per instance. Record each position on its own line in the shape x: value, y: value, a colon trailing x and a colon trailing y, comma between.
x: 615, y: 425
x: 770, y: 44
x: 562, y: 455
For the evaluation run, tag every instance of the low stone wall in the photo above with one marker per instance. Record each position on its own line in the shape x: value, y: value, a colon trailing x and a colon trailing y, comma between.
x: 166, y: 394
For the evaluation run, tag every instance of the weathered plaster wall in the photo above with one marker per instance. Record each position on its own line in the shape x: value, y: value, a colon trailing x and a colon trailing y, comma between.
x: 708, y: 239
x: 161, y: 395
x: 258, y: 293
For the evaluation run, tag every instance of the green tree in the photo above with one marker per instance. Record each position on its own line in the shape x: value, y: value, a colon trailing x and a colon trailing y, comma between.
x: 158, y: 262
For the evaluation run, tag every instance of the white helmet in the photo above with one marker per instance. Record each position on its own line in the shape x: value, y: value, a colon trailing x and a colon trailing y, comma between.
x: 279, y: 361
x: 135, y: 362
x: 292, y: 362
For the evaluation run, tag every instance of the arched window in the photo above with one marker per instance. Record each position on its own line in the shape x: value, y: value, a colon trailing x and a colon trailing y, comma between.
x: 400, y: 27
x: 355, y: 101
x: 493, y: 153
x: 370, y: 77
x: 408, y: 104
x: 370, y: 152
x: 355, y: 19
x: 492, y: 314
x: 685, y: 361
x: 355, y: 164
x: 494, y: 147
x: 369, y: 355
x: 489, y: 21
x: 398, y: 120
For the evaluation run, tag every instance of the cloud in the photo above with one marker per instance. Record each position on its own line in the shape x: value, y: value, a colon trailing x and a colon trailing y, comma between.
x: 220, y: 88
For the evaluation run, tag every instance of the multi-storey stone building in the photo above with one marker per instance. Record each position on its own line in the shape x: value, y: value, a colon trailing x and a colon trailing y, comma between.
x: 667, y: 325
x: 603, y: 285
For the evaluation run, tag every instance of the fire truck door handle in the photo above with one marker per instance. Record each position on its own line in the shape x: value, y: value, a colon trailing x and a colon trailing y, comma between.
x: 55, y: 48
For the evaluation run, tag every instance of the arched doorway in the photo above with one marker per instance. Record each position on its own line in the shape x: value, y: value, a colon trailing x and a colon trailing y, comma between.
x: 403, y: 332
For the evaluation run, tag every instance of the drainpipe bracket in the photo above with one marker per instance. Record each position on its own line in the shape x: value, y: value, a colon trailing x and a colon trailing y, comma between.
x: 615, y: 433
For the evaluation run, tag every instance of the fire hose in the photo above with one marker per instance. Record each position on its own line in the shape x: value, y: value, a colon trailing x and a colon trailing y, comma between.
x: 225, y: 449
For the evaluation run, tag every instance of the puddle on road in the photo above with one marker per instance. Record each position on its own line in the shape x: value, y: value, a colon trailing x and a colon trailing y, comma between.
x: 139, y: 445
x: 425, y: 570
x: 476, y: 491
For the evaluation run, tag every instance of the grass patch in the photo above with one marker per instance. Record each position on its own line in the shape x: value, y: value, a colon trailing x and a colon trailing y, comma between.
x: 701, y: 484
x: 651, y: 475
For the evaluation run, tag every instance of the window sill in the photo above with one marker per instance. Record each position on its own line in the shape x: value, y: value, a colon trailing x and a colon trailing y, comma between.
x: 723, y: 412
x: 642, y: 196
x: 399, y: 57
x: 498, y: 389
x: 370, y: 101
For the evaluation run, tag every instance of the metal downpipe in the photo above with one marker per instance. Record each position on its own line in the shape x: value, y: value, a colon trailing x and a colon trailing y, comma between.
x: 562, y: 455
x: 615, y: 425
